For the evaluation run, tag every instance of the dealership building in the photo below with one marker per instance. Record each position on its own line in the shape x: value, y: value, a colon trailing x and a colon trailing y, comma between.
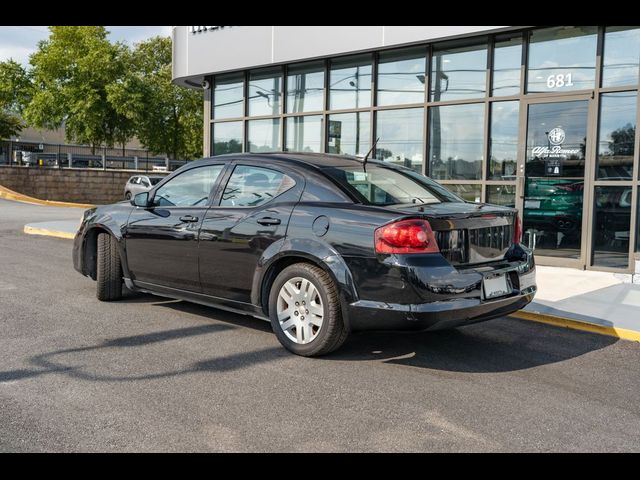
x: 540, y: 118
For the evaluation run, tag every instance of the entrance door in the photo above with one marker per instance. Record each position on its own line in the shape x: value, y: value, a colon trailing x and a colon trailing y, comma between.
x: 551, y: 182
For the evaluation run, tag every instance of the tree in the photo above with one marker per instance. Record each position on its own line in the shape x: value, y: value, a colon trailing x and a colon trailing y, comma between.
x: 15, y: 94
x: 10, y: 124
x: 72, y: 71
x: 167, y: 118
x: 15, y: 87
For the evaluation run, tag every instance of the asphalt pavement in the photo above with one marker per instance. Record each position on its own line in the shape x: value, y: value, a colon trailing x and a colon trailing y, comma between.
x: 151, y: 374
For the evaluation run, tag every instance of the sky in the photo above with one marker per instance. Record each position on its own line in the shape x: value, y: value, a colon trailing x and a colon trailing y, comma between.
x: 20, y: 42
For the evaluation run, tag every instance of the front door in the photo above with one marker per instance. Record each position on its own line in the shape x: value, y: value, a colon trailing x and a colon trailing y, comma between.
x: 162, y: 241
x: 551, y: 178
x: 252, y: 214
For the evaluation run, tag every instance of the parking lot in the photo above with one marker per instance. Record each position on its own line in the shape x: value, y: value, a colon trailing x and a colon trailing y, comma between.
x: 150, y: 374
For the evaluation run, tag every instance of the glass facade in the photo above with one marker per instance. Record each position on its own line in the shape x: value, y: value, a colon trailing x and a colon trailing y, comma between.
x: 562, y: 59
x: 541, y: 119
x: 305, y: 88
x: 616, y: 136
x: 400, y: 135
x: 459, y: 73
x: 401, y: 77
x: 621, y: 56
x: 507, y: 61
x: 457, y: 142
x: 349, y: 133
x: 304, y: 134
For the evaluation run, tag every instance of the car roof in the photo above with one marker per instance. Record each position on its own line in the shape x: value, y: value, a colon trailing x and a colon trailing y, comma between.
x: 320, y: 160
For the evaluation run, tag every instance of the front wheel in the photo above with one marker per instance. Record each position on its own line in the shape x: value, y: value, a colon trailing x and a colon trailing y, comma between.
x: 109, y: 269
x: 305, y: 311
x: 128, y: 196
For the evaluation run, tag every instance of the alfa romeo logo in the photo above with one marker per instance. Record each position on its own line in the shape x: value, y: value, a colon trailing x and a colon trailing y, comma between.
x: 557, y: 136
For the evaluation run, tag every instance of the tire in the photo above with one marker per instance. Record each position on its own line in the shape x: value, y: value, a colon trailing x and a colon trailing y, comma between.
x: 109, y: 269
x: 127, y: 196
x: 322, y: 339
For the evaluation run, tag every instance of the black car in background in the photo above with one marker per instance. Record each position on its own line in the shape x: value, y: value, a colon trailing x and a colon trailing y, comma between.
x: 319, y: 245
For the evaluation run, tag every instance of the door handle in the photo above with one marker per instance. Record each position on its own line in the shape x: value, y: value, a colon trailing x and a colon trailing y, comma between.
x: 189, y: 219
x: 267, y: 221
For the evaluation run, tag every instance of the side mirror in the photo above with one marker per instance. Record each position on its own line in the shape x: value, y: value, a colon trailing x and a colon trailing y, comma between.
x: 141, y: 200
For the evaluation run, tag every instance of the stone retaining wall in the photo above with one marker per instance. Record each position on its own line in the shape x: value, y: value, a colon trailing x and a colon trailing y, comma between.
x: 97, y: 187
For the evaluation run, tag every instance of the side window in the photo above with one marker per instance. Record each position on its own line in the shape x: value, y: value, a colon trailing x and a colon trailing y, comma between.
x: 134, y: 181
x: 254, y: 186
x: 144, y: 182
x: 190, y: 189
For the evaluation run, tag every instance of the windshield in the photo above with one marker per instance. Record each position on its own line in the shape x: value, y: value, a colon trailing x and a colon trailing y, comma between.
x: 380, y: 185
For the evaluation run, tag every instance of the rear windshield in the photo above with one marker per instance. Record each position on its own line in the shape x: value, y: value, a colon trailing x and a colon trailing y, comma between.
x: 155, y: 180
x: 378, y: 185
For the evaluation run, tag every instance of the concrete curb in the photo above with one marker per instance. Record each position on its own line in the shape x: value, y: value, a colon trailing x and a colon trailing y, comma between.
x: 48, y: 233
x: 621, y: 333
x: 7, y: 194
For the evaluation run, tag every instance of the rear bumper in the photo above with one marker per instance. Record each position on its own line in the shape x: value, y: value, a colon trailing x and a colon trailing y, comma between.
x: 366, y: 315
x: 449, y: 297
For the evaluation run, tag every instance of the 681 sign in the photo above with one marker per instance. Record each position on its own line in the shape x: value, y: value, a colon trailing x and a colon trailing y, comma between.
x: 560, y: 80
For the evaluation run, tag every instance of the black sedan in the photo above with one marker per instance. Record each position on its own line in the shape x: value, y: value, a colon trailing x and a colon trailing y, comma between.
x: 319, y: 245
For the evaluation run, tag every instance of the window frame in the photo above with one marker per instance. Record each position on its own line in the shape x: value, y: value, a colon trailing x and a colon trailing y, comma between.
x: 231, y: 168
x: 212, y: 193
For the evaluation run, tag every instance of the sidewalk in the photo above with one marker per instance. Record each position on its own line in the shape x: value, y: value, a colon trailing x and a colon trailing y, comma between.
x: 600, y: 298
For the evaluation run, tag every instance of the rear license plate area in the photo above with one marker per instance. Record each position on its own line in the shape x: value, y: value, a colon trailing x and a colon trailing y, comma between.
x: 495, y: 286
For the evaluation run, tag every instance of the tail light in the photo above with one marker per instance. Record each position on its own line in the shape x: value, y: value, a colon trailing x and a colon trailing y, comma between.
x: 406, y: 236
x: 517, y: 229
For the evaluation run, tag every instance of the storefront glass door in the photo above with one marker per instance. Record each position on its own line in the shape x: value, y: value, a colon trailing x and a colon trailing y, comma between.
x: 552, y: 178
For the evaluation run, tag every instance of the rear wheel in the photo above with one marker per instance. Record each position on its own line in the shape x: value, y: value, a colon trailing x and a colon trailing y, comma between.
x: 109, y: 269
x: 305, y: 311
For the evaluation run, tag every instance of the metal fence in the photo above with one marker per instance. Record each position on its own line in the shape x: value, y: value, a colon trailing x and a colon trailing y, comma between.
x: 28, y: 154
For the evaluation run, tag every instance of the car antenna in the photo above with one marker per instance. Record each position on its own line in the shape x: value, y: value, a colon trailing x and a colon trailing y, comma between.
x: 366, y: 157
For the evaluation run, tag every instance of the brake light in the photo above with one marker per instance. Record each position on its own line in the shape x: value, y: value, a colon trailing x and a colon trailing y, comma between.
x: 517, y: 229
x: 406, y: 236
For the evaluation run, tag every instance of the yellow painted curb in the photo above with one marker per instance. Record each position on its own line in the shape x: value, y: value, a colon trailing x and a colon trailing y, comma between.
x: 18, y: 197
x: 48, y: 233
x: 621, y: 333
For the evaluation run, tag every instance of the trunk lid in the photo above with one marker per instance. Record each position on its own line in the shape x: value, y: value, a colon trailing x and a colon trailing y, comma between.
x: 468, y: 233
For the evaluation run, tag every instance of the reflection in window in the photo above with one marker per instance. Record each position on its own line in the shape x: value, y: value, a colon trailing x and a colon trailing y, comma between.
x: 254, y: 186
x: 349, y: 133
x: 228, y: 96
x: 459, y: 73
x: 305, y: 88
x: 401, y: 77
x: 507, y: 61
x: 552, y: 220
x: 350, y: 83
x: 265, y: 93
x: 621, y: 56
x: 562, y: 59
x: 226, y: 138
x: 504, y: 195
x: 456, y: 142
x: 617, y: 135
x: 469, y: 193
x: 612, y: 226
x: 503, y: 146
x: 264, y: 135
x: 189, y: 189
x: 401, y: 137
x: 304, y: 134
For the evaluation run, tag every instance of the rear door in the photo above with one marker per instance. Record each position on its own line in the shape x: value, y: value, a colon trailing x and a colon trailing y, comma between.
x: 162, y: 241
x: 249, y: 215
